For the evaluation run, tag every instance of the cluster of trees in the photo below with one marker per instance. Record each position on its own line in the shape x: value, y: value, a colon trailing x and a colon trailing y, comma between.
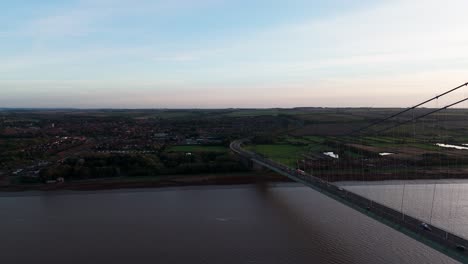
x: 104, y: 166
x: 137, y: 165
x: 200, y: 162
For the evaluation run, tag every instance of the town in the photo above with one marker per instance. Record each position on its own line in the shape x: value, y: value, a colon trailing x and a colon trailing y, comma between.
x: 56, y: 146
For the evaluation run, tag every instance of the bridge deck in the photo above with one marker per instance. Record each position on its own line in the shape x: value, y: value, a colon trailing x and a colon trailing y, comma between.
x: 437, y: 238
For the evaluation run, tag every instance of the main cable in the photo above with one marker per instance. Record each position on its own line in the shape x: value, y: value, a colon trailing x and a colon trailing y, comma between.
x: 406, y: 110
x: 422, y: 116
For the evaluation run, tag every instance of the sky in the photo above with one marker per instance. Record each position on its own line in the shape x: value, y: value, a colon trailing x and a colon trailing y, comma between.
x: 230, y: 54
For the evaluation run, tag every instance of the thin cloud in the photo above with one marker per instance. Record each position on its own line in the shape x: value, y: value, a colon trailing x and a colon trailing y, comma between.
x: 378, y: 51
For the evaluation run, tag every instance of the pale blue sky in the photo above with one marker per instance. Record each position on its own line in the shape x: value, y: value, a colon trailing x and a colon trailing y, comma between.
x: 215, y: 53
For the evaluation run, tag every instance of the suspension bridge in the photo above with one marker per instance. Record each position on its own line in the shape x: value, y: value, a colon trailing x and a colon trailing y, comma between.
x: 360, y: 163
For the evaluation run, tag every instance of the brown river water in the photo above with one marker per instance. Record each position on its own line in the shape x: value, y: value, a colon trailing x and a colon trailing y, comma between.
x: 284, y: 223
x: 442, y: 203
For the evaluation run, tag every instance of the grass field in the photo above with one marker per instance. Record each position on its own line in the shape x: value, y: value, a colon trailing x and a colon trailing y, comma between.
x: 288, y: 149
x: 197, y: 148
x: 285, y: 154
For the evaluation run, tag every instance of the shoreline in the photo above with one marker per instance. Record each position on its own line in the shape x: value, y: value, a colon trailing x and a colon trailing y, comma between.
x: 402, y: 182
x: 150, y: 182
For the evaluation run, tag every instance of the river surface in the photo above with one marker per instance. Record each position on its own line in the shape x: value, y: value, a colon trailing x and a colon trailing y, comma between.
x: 285, y: 223
x: 443, y: 203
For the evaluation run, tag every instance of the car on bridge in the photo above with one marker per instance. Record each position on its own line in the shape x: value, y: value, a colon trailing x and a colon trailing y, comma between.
x: 425, y: 226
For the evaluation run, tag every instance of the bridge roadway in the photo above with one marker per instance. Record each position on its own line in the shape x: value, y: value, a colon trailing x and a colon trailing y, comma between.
x: 437, y: 238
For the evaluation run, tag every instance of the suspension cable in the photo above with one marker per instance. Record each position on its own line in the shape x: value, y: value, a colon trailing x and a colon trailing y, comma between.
x: 422, y: 116
x: 406, y: 110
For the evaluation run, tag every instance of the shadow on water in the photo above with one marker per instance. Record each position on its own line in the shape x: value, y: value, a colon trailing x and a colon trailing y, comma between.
x: 301, y: 228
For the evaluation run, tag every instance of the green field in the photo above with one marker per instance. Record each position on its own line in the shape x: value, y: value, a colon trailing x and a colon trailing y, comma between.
x: 197, y: 148
x: 285, y: 154
x: 386, y: 142
x: 300, y: 140
x: 315, y: 139
x: 288, y: 149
